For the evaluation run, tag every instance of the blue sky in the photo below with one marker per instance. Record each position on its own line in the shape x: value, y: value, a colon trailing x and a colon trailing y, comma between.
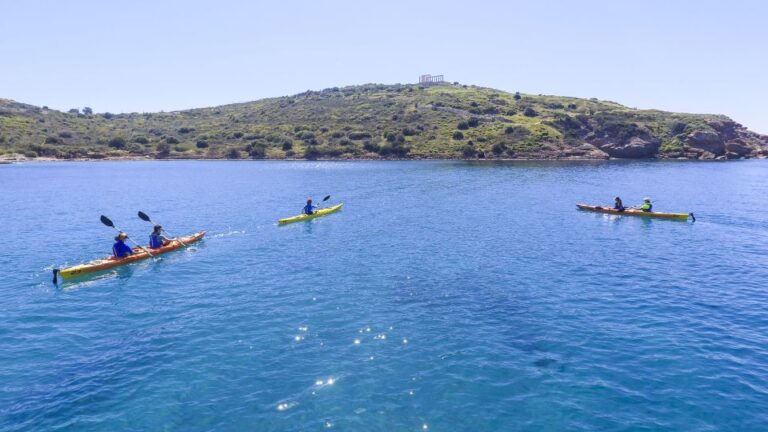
x: 692, y: 56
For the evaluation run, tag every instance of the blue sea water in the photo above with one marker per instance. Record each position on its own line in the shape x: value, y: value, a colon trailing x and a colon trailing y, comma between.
x: 446, y: 296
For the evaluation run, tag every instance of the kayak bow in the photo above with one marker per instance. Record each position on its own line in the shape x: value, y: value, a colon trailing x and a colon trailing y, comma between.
x: 635, y: 212
x: 303, y: 217
x: 111, y: 262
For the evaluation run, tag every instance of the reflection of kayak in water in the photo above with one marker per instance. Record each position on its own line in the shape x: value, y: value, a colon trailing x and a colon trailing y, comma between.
x: 137, y: 255
x: 635, y: 212
x: 318, y: 213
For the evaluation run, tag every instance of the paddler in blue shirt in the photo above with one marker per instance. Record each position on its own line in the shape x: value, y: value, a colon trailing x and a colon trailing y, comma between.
x: 618, y: 205
x: 157, y: 239
x: 120, y: 249
x: 309, y: 208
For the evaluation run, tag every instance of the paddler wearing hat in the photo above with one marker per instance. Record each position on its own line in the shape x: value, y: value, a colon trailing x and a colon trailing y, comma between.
x: 120, y: 249
x: 646, y: 206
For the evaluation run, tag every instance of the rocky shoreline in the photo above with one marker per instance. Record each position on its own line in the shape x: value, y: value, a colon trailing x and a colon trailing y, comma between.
x: 538, y: 157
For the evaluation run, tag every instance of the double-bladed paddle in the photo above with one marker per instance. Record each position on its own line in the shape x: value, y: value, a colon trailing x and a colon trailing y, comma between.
x: 105, y: 220
x: 143, y: 216
x: 327, y: 197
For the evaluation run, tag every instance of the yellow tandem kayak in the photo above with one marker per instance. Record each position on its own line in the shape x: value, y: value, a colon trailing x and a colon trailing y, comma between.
x: 303, y: 217
x: 635, y: 212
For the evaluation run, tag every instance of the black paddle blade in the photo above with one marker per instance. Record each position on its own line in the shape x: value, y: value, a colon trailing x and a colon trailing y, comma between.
x: 55, y: 276
x: 326, y: 198
x: 143, y: 216
x: 105, y: 220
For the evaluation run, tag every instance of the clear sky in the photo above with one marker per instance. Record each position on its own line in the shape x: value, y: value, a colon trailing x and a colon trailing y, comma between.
x: 695, y: 56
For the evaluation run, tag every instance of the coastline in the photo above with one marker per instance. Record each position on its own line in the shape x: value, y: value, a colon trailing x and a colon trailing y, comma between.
x: 10, y: 161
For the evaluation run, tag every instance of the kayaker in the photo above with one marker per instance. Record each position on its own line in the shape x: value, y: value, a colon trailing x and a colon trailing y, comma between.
x: 646, y: 206
x: 157, y: 239
x: 120, y: 249
x: 618, y: 205
x: 309, y: 208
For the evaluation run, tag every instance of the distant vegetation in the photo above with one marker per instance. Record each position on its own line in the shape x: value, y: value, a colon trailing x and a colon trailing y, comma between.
x: 378, y: 121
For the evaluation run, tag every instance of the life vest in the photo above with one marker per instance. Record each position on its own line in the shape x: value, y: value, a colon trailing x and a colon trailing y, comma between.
x: 155, y: 241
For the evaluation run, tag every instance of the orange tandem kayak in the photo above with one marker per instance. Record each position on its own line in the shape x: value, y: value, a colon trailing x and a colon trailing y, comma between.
x: 635, y: 212
x: 138, y: 255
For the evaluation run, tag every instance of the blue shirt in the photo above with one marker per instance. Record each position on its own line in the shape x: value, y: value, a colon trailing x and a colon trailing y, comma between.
x: 156, y: 240
x: 308, y: 209
x: 120, y: 249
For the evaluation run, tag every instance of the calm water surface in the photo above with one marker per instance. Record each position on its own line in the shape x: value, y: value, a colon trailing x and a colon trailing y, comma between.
x: 446, y: 296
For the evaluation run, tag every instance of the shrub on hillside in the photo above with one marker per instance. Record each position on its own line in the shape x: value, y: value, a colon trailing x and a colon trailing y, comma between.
x: 171, y: 140
x: 498, y: 148
x: 678, y: 128
x: 65, y: 134
x: 163, y: 150
x: 530, y: 112
x: 463, y: 125
x: 118, y: 143
x: 257, y: 150
x: 468, y: 151
x: 51, y: 140
x: 371, y: 147
x: 141, y: 140
x: 45, y: 150
x: 458, y: 136
x: 359, y: 135
x: 517, y: 96
x: 287, y: 145
x: 311, y: 153
x: 201, y: 144
x: 186, y: 130
x: 237, y: 135
x: 473, y: 122
x: 87, y: 111
x: 233, y: 154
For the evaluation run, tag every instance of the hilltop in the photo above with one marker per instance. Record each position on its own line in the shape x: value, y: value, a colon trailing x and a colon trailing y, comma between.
x: 381, y: 121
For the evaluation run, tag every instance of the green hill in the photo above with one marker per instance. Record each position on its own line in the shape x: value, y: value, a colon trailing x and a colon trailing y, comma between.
x: 381, y: 121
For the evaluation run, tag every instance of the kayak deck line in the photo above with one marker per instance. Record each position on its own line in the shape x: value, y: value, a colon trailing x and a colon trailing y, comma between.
x: 304, y: 217
x: 112, y: 262
x: 635, y: 212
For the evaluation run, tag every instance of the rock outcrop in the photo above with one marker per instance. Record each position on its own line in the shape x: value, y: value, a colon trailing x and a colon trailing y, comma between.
x: 707, y: 141
x: 635, y: 148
